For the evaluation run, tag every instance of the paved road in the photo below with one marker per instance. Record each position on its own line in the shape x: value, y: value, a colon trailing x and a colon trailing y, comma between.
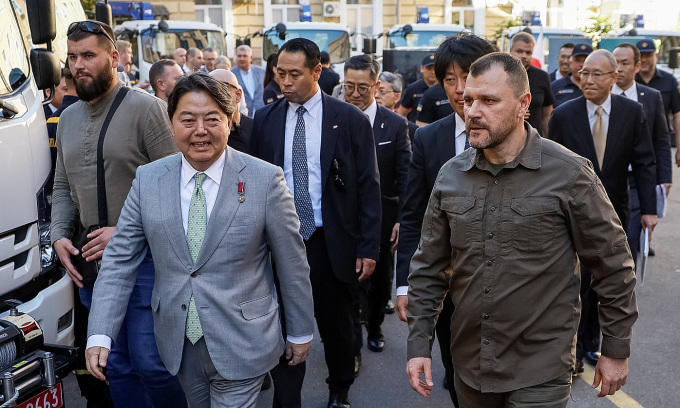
x: 654, y: 364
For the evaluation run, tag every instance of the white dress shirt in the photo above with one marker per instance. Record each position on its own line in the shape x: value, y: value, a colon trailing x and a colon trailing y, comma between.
x: 592, y: 117
x: 371, y: 111
x: 186, y: 69
x: 313, y: 118
x: 211, y: 186
x: 630, y: 93
x: 459, y: 140
x: 248, y: 81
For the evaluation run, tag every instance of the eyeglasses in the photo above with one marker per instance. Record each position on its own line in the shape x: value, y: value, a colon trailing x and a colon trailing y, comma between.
x: 362, y: 89
x: 597, y: 74
x: 385, y: 91
x: 93, y: 27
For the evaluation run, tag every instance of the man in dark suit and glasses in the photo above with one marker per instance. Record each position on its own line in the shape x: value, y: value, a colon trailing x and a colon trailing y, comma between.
x: 611, y: 131
x: 434, y: 145
x: 393, y: 149
x: 327, y: 153
x: 628, y: 57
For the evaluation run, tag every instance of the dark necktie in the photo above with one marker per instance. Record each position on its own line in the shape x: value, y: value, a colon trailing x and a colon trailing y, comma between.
x: 623, y: 93
x: 303, y: 202
x: 467, y: 142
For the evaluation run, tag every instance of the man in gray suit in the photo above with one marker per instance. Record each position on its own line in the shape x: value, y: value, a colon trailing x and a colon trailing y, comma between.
x: 214, y: 220
x: 250, y: 77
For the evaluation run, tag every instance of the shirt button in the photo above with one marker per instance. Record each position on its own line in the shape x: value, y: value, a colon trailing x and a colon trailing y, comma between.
x: 493, y: 208
x: 193, y: 274
x: 495, y: 181
x: 490, y: 235
x: 486, y: 342
x: 486, y: 316
x: 489, y: 263
x: 184, y: 307
x: 487, y: 290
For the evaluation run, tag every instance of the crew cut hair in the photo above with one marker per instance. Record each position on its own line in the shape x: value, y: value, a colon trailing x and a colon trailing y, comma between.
x: 636, y: 50
x: 157, y: 71
x: 305, y: 46
x: 363, y: 62
x: 523, y: 37
x: 517, y: 74
x: 201, y: 82
x: 569, y: 46
x: 462, y: 49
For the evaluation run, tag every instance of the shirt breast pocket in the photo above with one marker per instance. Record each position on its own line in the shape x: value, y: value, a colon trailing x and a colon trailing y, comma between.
x: 463, y: 220
x: 533, y: 224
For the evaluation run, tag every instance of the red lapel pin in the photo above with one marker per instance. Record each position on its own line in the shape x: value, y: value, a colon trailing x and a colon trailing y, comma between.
x: 241, y: 191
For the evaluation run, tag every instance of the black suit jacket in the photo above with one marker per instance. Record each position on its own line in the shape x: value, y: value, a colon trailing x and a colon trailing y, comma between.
x: 239, y: 137
x: 433, y: 145
x: 328, y: 80
x: 652, y: 103
x: 350, y: 198
x: 393, y: 149
x: 628, y: 142
x: 412, y: 127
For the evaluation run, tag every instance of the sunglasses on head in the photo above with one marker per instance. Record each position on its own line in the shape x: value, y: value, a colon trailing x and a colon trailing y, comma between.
x: 93, y: 27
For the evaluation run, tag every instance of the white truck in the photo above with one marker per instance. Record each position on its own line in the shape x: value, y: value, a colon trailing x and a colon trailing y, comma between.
x: 330, y: 37
x: 29, y: 268
x: 36, y: 295
x: 153, y: 40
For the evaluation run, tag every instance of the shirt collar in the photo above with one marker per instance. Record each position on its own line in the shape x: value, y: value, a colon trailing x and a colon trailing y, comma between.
x: 313, y: 105
x: 460, y: 126
x: 103, y: 105
x: 632, y: 90
x: 371, y: 111
x: 214, y: 172
x: 606, y: 105
x: 529, y: 157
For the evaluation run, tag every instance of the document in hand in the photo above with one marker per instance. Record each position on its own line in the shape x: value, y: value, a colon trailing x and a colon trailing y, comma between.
x: 641, y: 261
x: 660, y: 201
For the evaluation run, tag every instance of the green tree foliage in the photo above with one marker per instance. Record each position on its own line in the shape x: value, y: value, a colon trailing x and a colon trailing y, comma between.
x: 88, y: 6
x: 516, y: 22
x: 599, y: 26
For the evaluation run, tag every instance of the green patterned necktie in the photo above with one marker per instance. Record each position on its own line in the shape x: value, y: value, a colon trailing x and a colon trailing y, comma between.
x: 198, y: 215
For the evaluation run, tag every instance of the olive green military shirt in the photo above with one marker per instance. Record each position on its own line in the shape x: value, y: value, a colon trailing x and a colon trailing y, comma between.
x: 506, y: 246
x: 139, y: 133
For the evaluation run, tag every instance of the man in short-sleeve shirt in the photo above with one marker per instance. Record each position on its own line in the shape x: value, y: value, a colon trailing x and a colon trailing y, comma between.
x: 663, y: 82
x: 433, y: 106
x: 411, y: 96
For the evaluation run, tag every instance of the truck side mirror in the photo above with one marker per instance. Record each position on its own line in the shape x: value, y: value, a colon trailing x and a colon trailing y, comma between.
x: 42, y: 20
x: 370, y: 45
x: 674, y: 58
x: 102, y: 13
x: 45, y: 66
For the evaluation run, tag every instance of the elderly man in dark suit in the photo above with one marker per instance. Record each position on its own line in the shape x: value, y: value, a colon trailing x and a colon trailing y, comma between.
x: 611, y: 131
x: 327, y: 152
x: 241, y: 125
x: 393, y: 149
x: 628, y: 57
x: 434, y: 145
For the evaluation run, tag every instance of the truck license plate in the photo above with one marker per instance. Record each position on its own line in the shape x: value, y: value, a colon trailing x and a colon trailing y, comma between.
x: 47, y: 399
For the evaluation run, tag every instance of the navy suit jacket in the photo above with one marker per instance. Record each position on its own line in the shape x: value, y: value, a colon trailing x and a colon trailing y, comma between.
x: 350, y: 197
x: 652, y: 103
x: 239, y: 138
x: 628, y: 142
x: 433, y: 145
x: 393, y: 149
x: 255, y: 100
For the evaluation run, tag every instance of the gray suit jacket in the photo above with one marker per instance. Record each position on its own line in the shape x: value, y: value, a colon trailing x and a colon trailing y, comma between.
x: 232, y: 280
x: 254, y: 100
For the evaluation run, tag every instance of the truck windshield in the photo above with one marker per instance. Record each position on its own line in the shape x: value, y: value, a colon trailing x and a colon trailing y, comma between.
x: 158, y: 45
x: 420, y: 39
x: 14, y: 66
x: 335, y: 42
x: 665, y: 44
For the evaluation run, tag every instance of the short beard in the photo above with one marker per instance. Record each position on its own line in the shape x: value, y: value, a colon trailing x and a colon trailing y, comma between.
x: 98, y: 87
x: 495, y: 137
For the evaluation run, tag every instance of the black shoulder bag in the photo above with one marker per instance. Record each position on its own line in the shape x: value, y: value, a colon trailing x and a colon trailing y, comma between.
x: 90, y: 269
